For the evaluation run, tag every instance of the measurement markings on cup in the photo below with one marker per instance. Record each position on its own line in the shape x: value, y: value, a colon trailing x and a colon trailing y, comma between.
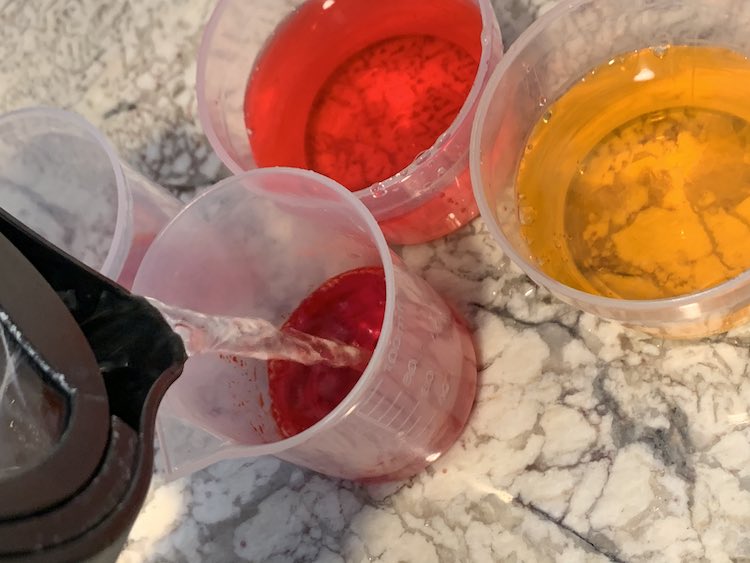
x: 393, y: 404
x: 397, y: 340
x: 413, y: 424
x: 426, y: 425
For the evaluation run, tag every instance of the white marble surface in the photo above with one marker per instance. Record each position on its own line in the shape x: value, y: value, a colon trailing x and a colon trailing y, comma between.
x: 589, y: 442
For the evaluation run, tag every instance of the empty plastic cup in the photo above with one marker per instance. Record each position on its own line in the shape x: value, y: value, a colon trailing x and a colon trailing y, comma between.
x: 255, y: 245
x: 61, y: 177
x: 328, y: 73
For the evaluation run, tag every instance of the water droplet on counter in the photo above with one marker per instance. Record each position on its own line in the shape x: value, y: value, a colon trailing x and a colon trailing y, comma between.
x: 547, y: 117
x: 440, y: 171
x: 542, y: 102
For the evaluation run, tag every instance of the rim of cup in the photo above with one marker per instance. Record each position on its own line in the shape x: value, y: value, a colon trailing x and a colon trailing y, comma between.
x: 120, y: 243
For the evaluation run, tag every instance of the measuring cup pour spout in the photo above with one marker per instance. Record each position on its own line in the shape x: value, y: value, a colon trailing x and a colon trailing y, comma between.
x: 84, y: 365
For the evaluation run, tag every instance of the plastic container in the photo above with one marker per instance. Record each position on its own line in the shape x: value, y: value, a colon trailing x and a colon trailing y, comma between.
x: 430, y: 198
x: 255, y: 245
x: 62, y: 178
x: 555, y: 52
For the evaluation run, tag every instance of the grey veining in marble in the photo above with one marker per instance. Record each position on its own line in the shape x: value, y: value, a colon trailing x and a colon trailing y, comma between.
x: 589, y: 442
x: 128, y: 67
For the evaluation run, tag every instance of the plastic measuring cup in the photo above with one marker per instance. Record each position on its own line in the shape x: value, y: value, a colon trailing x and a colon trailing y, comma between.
x: 562, y: 46
x: 432, y: 196
x: 255, y: 245
x: 61, y: 177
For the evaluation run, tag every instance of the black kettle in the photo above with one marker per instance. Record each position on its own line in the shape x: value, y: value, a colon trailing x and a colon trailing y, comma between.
x: 83, y: 367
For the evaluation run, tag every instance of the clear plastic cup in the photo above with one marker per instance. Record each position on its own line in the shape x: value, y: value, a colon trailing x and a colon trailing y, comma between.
x: 555, y: 52
x: 61, y: 177
x: 255, y: 245
x: 428, y: 199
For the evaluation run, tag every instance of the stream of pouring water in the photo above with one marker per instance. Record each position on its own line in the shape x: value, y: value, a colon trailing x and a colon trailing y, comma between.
x: 256, y: 338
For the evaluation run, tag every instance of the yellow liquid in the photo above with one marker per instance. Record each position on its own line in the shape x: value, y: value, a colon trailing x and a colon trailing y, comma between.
x: 636, y: 182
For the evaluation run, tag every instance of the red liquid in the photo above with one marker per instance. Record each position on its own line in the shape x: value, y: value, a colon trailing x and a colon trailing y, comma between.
x: 348, y: 308
x: 384, y: 106
x: 356, y: 91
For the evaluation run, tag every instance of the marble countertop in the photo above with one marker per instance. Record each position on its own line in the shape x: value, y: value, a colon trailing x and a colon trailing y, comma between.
x: 589, y: 442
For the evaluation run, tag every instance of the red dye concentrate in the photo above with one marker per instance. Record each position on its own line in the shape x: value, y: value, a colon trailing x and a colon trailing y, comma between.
x: 348, y: 308
x: 384, y: 106
x: 357, y: 89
